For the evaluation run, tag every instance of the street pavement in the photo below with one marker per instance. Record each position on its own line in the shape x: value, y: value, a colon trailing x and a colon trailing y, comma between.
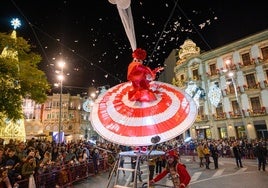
x: 227, y: 175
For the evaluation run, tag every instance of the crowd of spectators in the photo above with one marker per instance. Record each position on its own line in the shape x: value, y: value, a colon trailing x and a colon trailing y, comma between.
x: 224, y: 146
x: 19, y: 160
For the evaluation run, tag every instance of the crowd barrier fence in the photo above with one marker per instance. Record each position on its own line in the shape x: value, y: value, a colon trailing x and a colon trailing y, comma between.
x: 63, y: 176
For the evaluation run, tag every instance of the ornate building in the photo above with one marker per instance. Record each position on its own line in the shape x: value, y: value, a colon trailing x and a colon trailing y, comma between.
x: 42, y: 121
x: 32, y: 118
x: 234, y: 105
x: 70, y: 122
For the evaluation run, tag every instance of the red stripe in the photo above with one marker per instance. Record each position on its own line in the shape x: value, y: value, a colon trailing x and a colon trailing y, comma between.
x: 142, y: 111
x: 141, y: 130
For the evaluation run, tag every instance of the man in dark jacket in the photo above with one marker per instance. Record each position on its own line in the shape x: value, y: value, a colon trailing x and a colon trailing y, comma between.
x: 237, y: 154
x: 261, y: 154
x: 215, y: 155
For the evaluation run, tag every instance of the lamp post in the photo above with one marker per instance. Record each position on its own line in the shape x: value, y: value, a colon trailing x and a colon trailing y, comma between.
x: 60, y: 77
x: 231, y: 75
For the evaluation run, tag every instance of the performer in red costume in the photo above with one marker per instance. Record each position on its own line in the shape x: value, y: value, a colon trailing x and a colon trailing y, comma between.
x: 178, y: 172
x: 140, y: 76
x: 133, y: 112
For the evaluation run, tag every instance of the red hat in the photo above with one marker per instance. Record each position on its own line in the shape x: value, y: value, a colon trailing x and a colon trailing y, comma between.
x: 172, y: 153
x: 139, y: 54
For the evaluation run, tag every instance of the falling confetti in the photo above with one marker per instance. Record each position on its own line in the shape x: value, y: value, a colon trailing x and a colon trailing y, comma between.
x: 93, y: 42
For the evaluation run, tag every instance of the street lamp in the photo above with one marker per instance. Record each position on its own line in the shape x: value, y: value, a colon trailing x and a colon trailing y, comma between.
x: 231, y: 75
x: 60, y: 77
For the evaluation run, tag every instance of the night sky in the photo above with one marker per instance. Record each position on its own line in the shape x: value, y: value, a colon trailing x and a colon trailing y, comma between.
x: 90, y: 36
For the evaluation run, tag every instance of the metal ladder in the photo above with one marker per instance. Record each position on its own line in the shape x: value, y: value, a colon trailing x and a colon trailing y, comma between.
x: 117, y: 169
x: 139, y: 156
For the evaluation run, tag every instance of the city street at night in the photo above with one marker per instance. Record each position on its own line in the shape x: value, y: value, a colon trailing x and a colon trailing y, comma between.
x: 226, y: 176
x: 130, y: 94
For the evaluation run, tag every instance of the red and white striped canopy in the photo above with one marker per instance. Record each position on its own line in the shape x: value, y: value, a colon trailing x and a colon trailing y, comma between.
x: 134, y: 123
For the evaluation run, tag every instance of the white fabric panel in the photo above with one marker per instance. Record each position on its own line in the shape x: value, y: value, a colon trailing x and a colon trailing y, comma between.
x: 264, y: 94
x: 127, y: 21
x: 255, y: 52
x: 236, y: 57
x: 260, y: 73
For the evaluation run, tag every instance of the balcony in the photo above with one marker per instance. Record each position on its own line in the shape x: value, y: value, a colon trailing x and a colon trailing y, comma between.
x: 201, y: 118
x: 219, y: 116
x: 257, y: 112
x: 235, y: 115
x: 254, y: 86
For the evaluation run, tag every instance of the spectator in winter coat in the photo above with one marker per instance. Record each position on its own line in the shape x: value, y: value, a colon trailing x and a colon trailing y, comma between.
x: 4, y: 179
x: 215, y: 155
x: 206, y: 152
x: 29, y: 167
x: 261, y: 154
x: 179, y: 174
x: 151, y: 164
x: 237, y: 154
x: 11, y: 159
x: 96, y: 158
x: 200, y: 154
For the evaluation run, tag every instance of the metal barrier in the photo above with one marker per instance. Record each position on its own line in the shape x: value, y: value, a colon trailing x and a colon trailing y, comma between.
x: 62, y: 176
x: 66, y: 175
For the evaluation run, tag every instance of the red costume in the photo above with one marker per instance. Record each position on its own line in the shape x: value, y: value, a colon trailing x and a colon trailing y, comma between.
x: 140, y: 76
x: 177, y: 171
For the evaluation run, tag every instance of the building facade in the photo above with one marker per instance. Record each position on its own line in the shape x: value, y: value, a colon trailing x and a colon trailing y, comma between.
x: 234, y: 80
x: 32, y: 118
x: 70, y: 116
x: 43, y: 120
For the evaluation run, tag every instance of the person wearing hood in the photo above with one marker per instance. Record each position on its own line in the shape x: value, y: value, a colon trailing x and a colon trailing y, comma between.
x: 178, y: 172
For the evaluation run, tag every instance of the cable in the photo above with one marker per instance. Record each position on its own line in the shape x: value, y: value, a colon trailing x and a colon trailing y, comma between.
x: 201, y: 36
x: 33, y: 27
x: 165, y: 25
x: 39, y: 43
